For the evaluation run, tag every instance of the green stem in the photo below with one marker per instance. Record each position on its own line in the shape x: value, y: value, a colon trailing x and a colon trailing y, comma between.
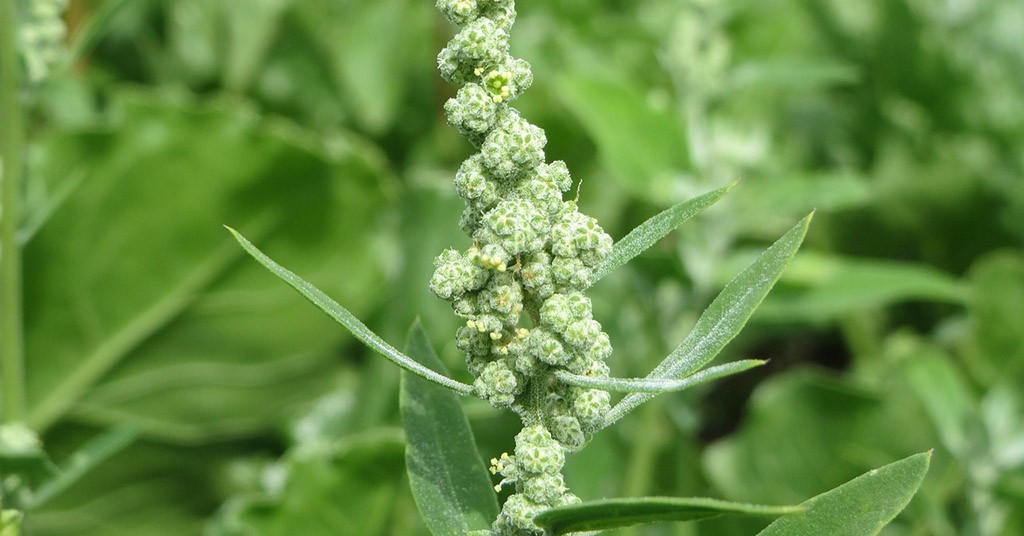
x: 12, y: 363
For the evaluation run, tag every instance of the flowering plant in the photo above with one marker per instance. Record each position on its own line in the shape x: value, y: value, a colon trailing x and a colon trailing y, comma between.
x: 534, y: 252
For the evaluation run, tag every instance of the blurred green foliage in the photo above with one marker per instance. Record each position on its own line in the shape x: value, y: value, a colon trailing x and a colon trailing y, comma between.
x: 315, y: 127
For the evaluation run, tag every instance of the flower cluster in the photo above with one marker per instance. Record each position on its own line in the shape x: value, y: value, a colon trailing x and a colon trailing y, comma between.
x: 42, y: 32
x: 532, y: 252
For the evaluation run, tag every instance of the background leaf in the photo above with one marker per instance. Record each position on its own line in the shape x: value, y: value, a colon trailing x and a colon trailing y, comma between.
x: 188, y: 350
x: 860, y: 507
x: 452, y: 489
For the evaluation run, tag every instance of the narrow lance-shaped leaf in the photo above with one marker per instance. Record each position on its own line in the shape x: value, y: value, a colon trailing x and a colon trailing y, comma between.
x: 93, y: 453
x: 861, y: 507
x: 347, y: 319
x: 647, y: 233
x: 724, y: 318
x: 658, y: 385
x: 615, y: 513
x: 449, y: 483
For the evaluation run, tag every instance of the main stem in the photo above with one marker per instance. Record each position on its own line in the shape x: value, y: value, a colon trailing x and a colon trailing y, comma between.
x: 12, y: 363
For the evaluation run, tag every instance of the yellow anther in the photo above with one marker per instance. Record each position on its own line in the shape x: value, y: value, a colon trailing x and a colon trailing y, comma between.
x: 501, y: 267
x: 471, y: 324
x: 495, y: 335
x: 497, y: 487
x: 503, y: 350
x: 522, y: 332
x: 478, y: 71
x: 481, y: 327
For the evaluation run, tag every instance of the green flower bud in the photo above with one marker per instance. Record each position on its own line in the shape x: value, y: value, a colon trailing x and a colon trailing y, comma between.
x: 545, y: 346
x: 498, y: 384
x: 455, y: 275
x: 537, y: 452
x: 571, y: 273
x: 566, y: 430
x: 513, y: 147
x: 516, y: 224
x: 459, y: 11
x: 473, y: 112
x: 582, y: 334
x: 557, y: 173
x: 543, y: 488
x: 516, y: 518
x: 502, y: 12
x: 590, y: 407
x: 556, y: 313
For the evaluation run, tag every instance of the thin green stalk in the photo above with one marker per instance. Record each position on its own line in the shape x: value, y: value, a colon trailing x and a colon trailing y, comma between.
x: 12, y: 362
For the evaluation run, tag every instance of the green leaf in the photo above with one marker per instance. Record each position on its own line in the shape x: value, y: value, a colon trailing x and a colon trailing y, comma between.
x: 140, y: 312
x: 641, y: 145
x: 615, y: 513
x: 723, y: 319
x: 656, y: 385
x: 996, y: 306
x: 861, y: 507
x: 369, y: 49
x: 347, y: 319
x: 347, y: 486
x: 654, y: 229
x: 451, y: 487
x: 83, y: 460
x: 828, y: 286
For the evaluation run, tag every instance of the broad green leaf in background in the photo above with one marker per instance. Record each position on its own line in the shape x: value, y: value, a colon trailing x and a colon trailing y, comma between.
x: 145, y: 490
x: 821, y: 287
x: 370, y: 49
x: 616, y: 513
x: 997, y: 307
x: 452, y: 489
x: 642, y: 146
x: 809, y: 430
x: 649, y: 232
x: 348, y: 486
x: 724, y: 318
x: 860, y: 507
x: 83, y: 460
x: 347, y: 319
x: 138, y: 309
x: 251, y: 28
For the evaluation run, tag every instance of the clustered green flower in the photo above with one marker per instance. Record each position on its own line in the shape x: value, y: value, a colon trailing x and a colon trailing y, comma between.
x: 41, y: 35
x: 532, y: 251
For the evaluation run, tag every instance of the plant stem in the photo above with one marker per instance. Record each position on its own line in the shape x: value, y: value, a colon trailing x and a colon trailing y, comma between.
x: 12, y: 364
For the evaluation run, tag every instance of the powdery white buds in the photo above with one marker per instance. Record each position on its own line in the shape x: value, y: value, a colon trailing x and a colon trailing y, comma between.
x: 498, y: 383
x: 532, y: 253
x: 455, y: 275
x: 537, y: 452
x: 590, y: 407
x: 513, y: 148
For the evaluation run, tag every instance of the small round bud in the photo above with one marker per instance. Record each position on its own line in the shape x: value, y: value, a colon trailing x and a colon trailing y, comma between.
x: 581, y: 334
x: 458, y: 11
x: 472, y: 111
x: 537, y: 452
x: 543, y: 488
x: 545, y: 346
x: 513, y: 147
x: 590, y: 407
x: 516, y: 518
